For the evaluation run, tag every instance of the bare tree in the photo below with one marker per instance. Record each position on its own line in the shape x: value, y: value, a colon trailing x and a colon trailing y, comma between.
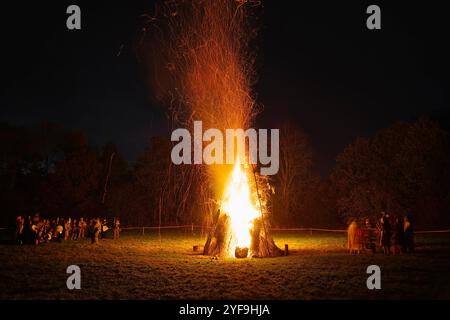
x: 294, y: 175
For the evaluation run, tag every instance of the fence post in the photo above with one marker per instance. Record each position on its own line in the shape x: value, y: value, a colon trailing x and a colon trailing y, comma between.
x: 143, y: 230
x: 192, y: 228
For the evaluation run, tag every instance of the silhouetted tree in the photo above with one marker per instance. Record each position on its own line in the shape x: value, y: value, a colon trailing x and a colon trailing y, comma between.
x: 403, y: 169
x: 73, y: 189
x: 294, y: 178
x: 149, y: 178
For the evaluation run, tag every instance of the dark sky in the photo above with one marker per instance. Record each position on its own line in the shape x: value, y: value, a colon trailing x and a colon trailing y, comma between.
x: 318, y: 65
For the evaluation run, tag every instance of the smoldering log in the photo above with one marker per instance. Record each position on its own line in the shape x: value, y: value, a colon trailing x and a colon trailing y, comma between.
x: 241, y: 252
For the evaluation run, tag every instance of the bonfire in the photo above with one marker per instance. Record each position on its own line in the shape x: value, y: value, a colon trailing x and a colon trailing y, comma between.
x: 202, y: 62
x: 239, y: 228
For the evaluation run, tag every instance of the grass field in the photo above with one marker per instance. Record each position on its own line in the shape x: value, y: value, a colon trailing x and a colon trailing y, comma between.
x: 147, y: 267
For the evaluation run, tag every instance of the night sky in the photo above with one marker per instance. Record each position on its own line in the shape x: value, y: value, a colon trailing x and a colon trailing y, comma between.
x: 318, y: 66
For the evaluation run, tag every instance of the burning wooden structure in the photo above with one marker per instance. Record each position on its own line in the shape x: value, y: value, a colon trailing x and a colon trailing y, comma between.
x: 239, y: 228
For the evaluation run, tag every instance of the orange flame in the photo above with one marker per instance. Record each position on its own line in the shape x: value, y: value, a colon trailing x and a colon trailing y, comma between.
x: 237, y: 204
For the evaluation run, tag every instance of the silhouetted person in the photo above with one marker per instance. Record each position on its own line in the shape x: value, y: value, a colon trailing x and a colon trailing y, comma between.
x: 74, y: 230
x: 116, y: 228
x: 370, y: 237
x: 103, y: 229
x: 95, y: 230
x: 19, y: 230
x: 59, y: 232
x: 353, y: 237
x: 53, y: 227
x: 27, y: 232
x: 81, y: 228
x: 408, y: 235
x: 398, y: 238
x: 386, y: 233
x: 67, y: 227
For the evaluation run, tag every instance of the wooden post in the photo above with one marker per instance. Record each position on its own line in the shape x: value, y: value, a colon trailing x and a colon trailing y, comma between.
x: 286, y: 249
x: 143, y: 230
x: 192, y: 228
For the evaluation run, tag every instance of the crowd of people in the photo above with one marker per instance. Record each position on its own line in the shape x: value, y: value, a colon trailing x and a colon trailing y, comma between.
x: 390, y: 234
x: 35, y: 229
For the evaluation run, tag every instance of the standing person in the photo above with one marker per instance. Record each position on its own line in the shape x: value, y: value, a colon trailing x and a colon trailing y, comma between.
x: 53, y: 227
x: 47, y: 233
x: 386, y: 233
x: 116, y: 228
x: 59, y: 231
x: 353, y: 241
x: 378, y: 228
x: 370, y: 237
x: 74, y: 229
x: 41, y: 231
x: 34, y: 234
x: 81, y: 228
x: 104, y: 228
x: 35, y: 228
x: 398, y: 236
x: 95, y: 230
x: 19, y: 230
x: 27, y: 232
x: 408, y: 234
x: 67, y: 228
x: 98, y: 229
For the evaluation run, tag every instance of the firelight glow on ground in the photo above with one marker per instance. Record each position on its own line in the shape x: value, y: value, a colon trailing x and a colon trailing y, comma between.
x: 143, y: 267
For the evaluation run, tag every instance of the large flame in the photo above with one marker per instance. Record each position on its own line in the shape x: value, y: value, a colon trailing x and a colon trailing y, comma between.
x: 237, y: 204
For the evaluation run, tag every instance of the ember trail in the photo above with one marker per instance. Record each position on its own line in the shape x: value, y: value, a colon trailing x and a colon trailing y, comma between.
x: 235, y: 143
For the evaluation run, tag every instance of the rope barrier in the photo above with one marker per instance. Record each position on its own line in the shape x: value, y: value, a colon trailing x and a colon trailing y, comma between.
x: 433, y: 231
x: 344, y: 230
x: 156, y: 228
x: 308, y: 229
x: 274, y: 229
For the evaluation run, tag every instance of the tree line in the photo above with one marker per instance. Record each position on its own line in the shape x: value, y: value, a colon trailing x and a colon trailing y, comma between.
x: 403, y: 169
